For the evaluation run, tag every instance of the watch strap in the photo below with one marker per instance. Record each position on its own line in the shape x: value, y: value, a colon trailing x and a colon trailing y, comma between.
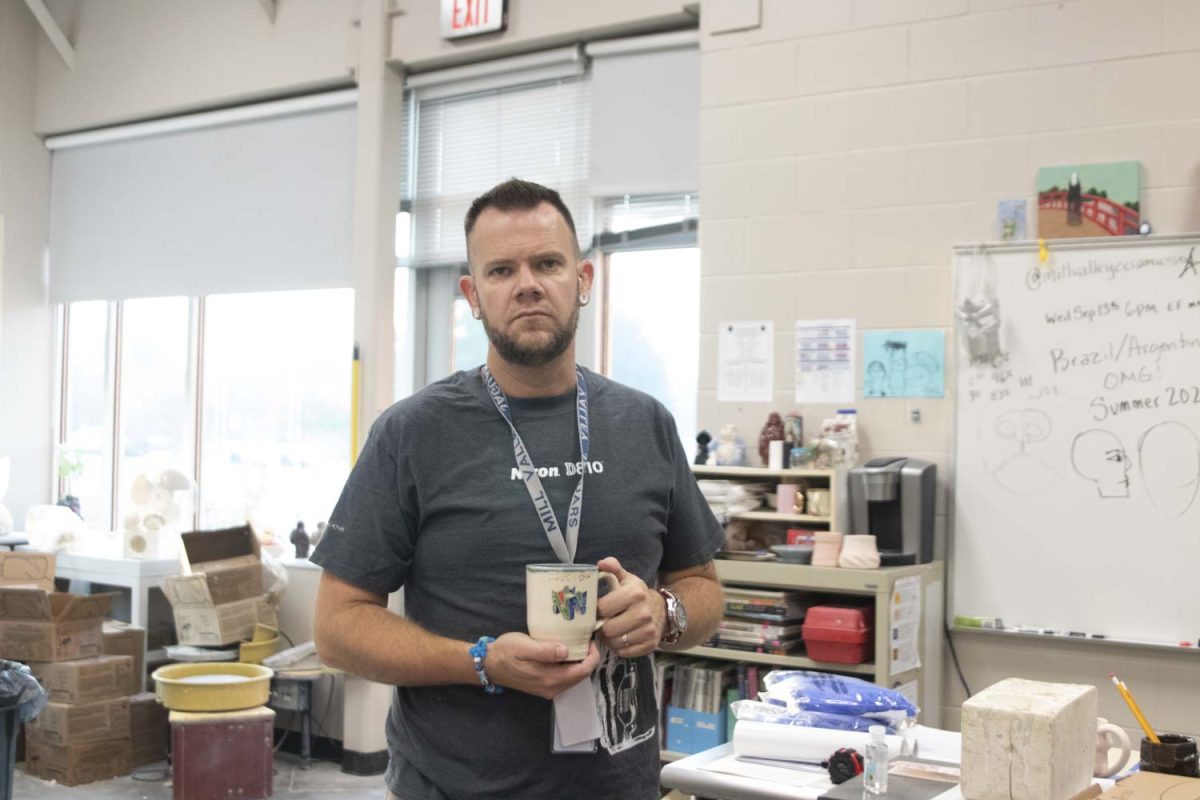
x: 674, y: 630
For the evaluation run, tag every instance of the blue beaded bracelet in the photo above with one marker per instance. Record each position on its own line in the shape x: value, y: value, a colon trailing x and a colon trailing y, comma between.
x: 478, y: 653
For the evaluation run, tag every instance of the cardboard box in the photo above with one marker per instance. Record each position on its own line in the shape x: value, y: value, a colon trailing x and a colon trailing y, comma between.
x: 36, y: 625
x: 229, y: 560
x: 149, y: 729
x: 200, y: 621
x: 123, y: 639
x: 85, y: 680
x: 1153, y: 786
x: 66, y: 724
x: 81, y: 763
x: 27, y: 569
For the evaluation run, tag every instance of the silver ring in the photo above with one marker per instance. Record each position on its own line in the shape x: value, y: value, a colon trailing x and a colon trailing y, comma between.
x: 625, y: 640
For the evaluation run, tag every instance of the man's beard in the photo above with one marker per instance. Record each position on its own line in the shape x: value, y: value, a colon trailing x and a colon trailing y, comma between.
x: 532, y: 355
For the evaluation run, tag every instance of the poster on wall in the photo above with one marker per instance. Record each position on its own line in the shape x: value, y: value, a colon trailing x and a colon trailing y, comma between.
x: 904, y: 634
x: 746, y: 361
x: 825, y: 361
x: 904, y: 363
x: 1089, y: 200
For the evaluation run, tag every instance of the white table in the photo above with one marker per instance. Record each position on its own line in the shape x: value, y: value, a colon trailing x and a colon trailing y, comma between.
x: 137, y: 575
x: 689, y: 776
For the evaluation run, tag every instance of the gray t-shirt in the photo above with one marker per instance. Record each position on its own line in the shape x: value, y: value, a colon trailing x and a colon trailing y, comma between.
x: 434, y: 505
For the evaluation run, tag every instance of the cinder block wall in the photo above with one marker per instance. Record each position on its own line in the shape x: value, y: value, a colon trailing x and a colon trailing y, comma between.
x: 847, y: 145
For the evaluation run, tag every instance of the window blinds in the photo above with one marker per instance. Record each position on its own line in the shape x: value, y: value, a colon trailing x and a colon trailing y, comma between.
x: 630, y: 213
x: 648, y: 221
x: 500, y: 126
x: 249, y: 199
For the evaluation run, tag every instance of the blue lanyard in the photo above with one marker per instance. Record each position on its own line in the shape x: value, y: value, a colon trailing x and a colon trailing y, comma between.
x: 564, y: 548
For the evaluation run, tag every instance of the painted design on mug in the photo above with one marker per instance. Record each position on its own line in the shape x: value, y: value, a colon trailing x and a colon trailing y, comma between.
x: 568, y: 602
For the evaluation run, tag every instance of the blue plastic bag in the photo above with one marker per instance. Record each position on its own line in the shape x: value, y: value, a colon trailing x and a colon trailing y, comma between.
x: 822, y: 692
x: 756, y: 711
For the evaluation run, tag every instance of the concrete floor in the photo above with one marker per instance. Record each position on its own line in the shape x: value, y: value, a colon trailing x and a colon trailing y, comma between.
x: 324, y: 779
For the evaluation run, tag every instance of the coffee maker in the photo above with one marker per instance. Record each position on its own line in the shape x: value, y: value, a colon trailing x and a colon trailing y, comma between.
x: 893, y: 499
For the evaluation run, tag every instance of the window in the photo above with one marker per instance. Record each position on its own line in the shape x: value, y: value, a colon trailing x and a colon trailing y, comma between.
x: 158, y: 395
x: 653, y: 323
x: 275, y: 440
x: 85, y: 451
x: 470, y: 341
x: 651, y: 279
x: 466, y: 144
x: 469, y: 129
x: 190, y: 216
x: 275, y: 423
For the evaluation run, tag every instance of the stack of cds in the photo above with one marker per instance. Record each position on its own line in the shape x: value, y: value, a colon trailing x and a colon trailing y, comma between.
x: 761, y: 621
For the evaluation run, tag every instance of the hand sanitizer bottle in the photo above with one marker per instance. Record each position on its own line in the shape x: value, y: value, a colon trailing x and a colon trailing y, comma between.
x: 875, y: 770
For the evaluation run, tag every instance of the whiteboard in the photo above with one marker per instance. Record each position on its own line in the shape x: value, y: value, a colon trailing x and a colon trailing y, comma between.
x: 1077, y: 450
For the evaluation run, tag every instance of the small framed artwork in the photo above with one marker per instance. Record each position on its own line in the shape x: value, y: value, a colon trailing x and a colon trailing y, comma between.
x: 1089, y: 200
x: 1010, y: 220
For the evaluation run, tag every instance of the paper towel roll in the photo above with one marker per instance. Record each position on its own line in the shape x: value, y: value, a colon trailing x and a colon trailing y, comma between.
x: 795, y: 743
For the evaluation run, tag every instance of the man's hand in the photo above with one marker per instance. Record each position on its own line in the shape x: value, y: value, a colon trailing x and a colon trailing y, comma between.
x: 634, y: 615
x: 539, y: 668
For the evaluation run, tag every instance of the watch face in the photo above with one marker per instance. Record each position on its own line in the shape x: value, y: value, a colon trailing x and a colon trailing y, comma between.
x: 681, y: 621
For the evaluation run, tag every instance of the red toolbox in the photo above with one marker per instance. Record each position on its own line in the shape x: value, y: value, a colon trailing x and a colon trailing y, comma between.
x: 840, y: 634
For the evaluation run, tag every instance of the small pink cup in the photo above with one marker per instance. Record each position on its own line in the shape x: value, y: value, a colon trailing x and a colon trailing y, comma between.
x: 827, y: 546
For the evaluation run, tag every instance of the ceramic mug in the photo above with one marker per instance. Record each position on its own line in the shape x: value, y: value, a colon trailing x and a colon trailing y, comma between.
x: 1173, y: 754
x: 785, y: 498
x: 560, y: 604
x: 1109, y: 736
x: 818, y: 502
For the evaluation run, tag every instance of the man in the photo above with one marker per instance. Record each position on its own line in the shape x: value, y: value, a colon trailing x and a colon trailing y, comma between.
x: 444, y: 500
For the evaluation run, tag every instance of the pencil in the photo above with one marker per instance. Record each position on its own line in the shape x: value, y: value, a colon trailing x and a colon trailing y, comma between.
x: 1133, y: 706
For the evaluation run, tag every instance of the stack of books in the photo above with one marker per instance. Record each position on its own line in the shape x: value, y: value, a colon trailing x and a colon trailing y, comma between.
x: 694, y: 697
x: 761, y: 621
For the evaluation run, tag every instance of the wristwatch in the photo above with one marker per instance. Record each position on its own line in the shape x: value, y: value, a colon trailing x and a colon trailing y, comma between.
x: 677, y: 620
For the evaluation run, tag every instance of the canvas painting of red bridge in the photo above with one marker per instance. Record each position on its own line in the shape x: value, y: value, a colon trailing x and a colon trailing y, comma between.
x: 1089, y: 200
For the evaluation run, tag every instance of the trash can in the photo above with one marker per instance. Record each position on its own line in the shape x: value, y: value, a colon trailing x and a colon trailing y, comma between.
x: 21, y: 699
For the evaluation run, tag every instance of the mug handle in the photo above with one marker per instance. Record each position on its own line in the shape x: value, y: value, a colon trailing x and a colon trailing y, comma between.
x: 613, y: 584
x: 1116, y: 736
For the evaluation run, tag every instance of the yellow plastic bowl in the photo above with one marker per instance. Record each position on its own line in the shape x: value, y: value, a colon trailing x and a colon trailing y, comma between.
x: 212, y: 686
x: 265, y: 643
x: 255, y: 652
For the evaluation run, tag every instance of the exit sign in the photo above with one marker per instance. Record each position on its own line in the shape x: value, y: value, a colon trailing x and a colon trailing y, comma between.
x: 471, y: 17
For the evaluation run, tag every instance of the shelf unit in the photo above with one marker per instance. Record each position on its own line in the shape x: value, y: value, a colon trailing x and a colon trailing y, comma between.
x: 830, y: 479
x: 877, y: 584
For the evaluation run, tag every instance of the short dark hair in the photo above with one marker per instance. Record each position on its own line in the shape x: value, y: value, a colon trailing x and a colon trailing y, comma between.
x: 518, y: 195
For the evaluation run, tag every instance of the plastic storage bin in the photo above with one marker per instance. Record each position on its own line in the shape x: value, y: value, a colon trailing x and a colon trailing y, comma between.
x: 840, y: 634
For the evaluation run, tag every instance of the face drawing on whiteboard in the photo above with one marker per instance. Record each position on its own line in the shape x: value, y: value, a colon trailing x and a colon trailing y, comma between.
x: 1023, y: 472
x: 1098, y: 456
x: 1169, y: 458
